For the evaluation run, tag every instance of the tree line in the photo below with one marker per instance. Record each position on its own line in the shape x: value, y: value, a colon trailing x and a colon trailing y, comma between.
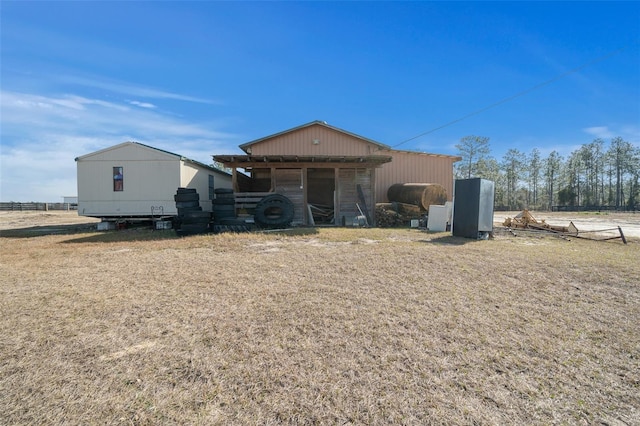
x: 600, y: 174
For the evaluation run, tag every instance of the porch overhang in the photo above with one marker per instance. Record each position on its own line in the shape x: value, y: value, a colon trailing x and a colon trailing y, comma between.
x: 294, y: 161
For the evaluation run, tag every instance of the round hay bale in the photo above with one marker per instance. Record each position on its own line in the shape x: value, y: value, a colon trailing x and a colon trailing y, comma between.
x: 419, y: 194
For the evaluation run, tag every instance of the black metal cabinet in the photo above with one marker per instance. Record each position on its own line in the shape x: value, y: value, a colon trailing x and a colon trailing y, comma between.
x: 473, y: 208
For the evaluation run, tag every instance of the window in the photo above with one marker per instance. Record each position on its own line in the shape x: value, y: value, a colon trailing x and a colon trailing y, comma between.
x: 118, y: 182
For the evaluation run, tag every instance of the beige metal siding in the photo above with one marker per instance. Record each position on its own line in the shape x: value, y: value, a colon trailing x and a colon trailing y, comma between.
x: 407, y: 167
x: 314, y: 140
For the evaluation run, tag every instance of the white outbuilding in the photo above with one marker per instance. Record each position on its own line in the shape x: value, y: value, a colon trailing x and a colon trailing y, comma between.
x: 136, y: 180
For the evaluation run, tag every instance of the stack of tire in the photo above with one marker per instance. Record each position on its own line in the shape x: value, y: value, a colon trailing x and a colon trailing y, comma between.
x: 224, y: 212
x: 191, y: 219
x: 274, y: 211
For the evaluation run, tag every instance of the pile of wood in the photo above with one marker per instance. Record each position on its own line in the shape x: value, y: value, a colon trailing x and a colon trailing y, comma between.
x: 394, y: 214
x: 321, y: 214
x: 525, y: 220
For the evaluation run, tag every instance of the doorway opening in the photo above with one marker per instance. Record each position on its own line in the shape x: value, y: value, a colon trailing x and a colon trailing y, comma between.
x: 321, y: 187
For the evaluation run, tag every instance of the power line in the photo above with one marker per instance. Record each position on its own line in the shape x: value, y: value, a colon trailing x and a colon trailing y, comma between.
x: 517, y: 95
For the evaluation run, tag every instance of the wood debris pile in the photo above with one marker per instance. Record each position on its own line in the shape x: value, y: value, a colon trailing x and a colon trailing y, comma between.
x: 525, y: 220
x: 395, y: 214
x: 321, y: 214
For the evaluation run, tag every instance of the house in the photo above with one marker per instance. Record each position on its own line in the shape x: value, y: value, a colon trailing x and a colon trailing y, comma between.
x: 322, y: 168
x: 136, y: 180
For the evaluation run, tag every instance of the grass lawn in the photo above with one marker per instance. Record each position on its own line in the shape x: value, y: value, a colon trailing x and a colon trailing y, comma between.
x: 320, y: 326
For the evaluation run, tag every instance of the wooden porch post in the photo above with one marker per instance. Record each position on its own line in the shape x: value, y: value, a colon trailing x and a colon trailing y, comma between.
x: 234, y: 179
x: 373, y: 196
x: 336, y: 197
x: 273, y: 179
x: 305, y: 209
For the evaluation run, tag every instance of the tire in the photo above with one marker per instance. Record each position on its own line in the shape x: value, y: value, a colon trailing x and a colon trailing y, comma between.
x: 222, y: 211
x: 219, y: 191
x: 195, y: 228
x: 231, y: 221
x: 191, y: 221
x: 186, y: 190
x: 218, y: 208
x: 187, y: 204
x: 183, y: 211
x: 189, y: 196
x: 196, y: 214
x: 217, y: 229
x: 274, y: 211
x: 223, y: 201
x: 224, y: 193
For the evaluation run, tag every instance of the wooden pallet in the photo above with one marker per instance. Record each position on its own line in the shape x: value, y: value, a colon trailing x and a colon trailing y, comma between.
x: 248, y: 200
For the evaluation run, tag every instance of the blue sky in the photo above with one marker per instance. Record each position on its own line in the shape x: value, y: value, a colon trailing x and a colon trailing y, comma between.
x: 201, y: 78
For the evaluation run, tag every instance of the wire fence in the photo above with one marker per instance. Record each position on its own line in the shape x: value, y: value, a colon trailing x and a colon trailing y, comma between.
x: 12, y: 206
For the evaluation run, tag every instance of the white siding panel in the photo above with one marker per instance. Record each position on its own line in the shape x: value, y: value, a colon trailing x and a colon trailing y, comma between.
x: 193, y: 176
x: 145, y: 183
x: 150, y: 179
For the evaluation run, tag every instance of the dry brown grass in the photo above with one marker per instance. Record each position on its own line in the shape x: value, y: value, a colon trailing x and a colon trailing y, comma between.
x: 334, y: 326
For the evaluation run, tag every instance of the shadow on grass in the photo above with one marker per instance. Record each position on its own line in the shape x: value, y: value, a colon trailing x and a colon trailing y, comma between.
x: 146, y: 234
x: 290, y: 231
x: 39, y: 231
x: 124, y: 235
x: 449, y: 240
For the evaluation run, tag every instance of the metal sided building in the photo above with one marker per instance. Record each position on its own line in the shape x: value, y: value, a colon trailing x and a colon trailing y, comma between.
x: 415, y: 167
x: 136, y: 180
x: 320, y: 167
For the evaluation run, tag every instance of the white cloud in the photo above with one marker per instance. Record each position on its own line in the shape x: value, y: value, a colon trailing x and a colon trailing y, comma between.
x: 130, y: 89
x: 42, y: 135
x: 628, y: 132
x: 143, y: 104
x: 599, y: 132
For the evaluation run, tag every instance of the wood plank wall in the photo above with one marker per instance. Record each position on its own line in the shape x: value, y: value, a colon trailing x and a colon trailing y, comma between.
x: 288, y: 182
x: 348, y: 179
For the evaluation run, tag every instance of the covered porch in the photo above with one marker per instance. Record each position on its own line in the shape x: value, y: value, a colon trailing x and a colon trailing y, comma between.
x: 325, y: 190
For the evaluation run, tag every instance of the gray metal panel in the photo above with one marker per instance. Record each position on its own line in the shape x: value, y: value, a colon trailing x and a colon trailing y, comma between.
x: 485, y: 208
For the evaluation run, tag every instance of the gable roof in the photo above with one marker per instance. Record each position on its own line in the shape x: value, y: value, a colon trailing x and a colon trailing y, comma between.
x: 247, y: 145
x: 141, y: 145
